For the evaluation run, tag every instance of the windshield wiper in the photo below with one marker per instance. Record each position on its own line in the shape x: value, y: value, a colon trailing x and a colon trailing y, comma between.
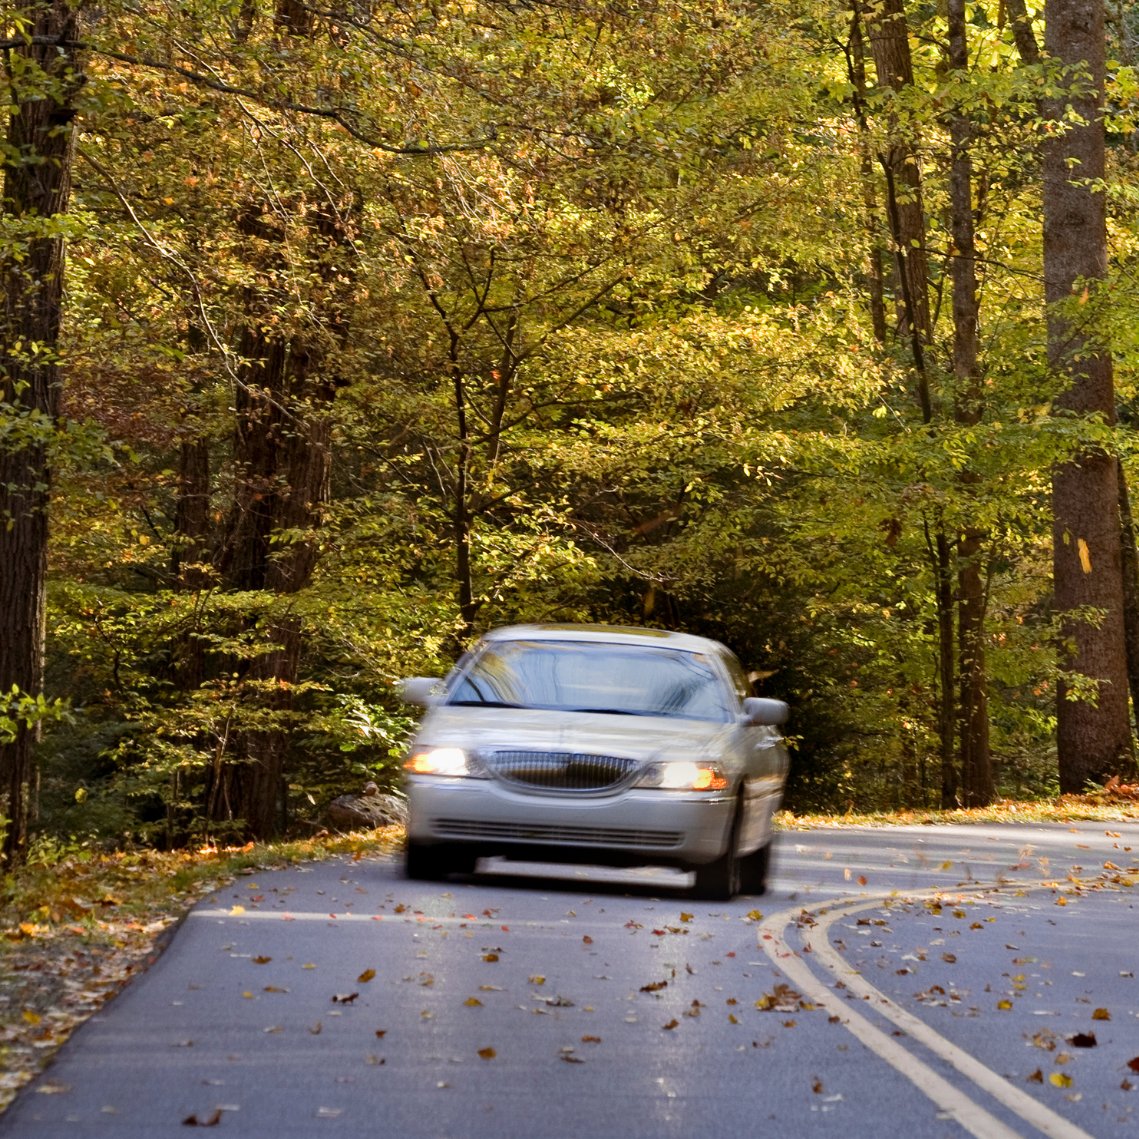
x: 615, y: 711
x: 484, y: 704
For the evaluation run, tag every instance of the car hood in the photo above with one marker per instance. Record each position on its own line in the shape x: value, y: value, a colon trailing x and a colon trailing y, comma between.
x: 593, y: 733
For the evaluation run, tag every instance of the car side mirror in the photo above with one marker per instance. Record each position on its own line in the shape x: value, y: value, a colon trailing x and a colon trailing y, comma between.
x: 425, y: 690
x: 761, y: 710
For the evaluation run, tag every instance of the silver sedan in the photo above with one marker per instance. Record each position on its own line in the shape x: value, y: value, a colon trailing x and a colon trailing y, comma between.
x: 594, y: 744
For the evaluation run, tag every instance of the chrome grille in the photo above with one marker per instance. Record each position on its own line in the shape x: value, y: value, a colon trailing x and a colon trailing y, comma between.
x: 560, y: 770
x: 556, y: 833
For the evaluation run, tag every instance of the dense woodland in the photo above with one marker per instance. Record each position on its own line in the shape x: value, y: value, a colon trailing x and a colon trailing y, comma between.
x: 333, y: 335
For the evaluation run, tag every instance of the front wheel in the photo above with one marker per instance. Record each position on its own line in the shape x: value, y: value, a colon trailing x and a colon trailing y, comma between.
x: 430, y: 863
x: 424, y: 863
x: 719, y: 881
x: 754, y: 870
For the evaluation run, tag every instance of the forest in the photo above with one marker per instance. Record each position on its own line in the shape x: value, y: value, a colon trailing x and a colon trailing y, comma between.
x: 334, y: 334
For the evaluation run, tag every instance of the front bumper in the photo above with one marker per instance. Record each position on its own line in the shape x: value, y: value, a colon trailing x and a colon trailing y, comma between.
x: 636, y: 826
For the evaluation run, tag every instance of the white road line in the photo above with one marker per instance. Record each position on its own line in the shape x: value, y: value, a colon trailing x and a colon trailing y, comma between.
x: 949, y: 1098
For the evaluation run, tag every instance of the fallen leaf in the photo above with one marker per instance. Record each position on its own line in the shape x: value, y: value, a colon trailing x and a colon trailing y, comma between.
x: 1060, y: 1080
x: 654, y: 986
x: 473, y: 1002
x: 1083, y: 1040
x: 487, y: 1053
x: 1133, y: 1064
x: 1101, y: 1014
x: 210, y: 1121
x: 1037, y: 1077
x: 366, y: 976
x: 671, y: 1024
x: 262, y: 960
x: 344, y: 998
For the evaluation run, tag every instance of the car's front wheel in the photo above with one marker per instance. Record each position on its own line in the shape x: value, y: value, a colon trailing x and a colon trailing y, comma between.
x: 424, y: 863
x: 429, y: 863
x: 754, y: 869
x: 719, y: 881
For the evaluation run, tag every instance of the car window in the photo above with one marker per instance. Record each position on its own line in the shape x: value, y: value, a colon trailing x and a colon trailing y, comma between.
x: 591, y: 677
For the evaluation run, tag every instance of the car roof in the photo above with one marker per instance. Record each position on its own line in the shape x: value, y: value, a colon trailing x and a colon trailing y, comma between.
x: 606, y: 634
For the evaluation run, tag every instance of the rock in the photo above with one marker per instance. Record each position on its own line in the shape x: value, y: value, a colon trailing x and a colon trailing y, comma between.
x: 366, y: 811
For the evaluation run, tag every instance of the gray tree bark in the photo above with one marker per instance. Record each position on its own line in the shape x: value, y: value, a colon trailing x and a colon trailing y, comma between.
x: 1093, y: 735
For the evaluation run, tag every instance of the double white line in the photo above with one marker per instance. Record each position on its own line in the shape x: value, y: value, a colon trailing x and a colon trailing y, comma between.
x: 950, y: 1099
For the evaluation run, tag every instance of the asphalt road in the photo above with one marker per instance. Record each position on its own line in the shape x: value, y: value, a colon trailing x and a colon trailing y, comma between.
x: 924, y: 981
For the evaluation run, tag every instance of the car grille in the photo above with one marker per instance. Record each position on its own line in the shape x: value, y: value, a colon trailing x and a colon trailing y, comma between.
x: 556, y: 833
x: 560, y: 770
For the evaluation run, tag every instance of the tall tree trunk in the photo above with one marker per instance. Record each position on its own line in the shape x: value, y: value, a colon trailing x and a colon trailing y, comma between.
x: 1130, y: 566
x: 44, y: 75
x: 856, y: 70
x: 1093, y: 735
x: 974, y: 759
x: 282, y: 461
x: 889, y: 42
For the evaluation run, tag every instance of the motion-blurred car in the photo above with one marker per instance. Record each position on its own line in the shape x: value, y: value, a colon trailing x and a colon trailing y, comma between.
x: 594, y: 744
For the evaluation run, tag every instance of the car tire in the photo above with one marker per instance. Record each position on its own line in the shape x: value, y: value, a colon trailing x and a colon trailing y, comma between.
x: 423, y: 863
x: 431, y: 863
x: 719, y: 881
x: 754, y: 870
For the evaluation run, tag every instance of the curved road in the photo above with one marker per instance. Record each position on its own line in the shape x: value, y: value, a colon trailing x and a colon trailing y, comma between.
x: 941, y: 981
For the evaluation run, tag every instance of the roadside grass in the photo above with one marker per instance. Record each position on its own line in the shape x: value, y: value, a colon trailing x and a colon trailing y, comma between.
x: 1098, y: 806
x: 75, y: 926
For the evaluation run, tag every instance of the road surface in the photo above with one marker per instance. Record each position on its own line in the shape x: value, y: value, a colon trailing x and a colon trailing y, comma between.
x: 931, y: 981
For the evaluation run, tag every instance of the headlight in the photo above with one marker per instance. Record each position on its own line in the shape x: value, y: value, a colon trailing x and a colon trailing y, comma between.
x: 683, y: 775
x: 442, y: 761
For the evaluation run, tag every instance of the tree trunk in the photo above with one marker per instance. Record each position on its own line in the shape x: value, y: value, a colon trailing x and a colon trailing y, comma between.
x: 1093, y: 735
x: 282, y: 462
x: 44, y: 75
x: 974, y: 759
x: 856, y: 68
x: 1130, y: 565
x: 890, y: 46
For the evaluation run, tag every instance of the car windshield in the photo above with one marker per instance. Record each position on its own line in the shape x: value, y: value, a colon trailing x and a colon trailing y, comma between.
x: 635, y: 680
